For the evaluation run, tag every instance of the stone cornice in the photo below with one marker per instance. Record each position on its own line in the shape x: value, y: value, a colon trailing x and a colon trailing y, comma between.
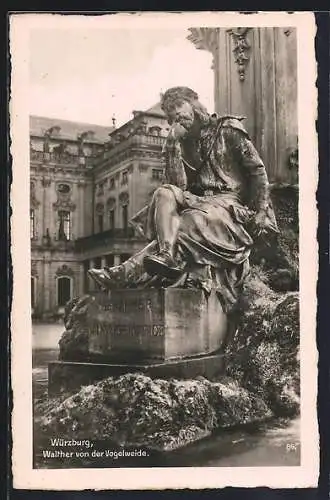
x: 204, y: 38
x: 39, y: 168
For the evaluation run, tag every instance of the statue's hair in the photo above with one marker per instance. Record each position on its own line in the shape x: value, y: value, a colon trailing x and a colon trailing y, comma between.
x: 174, y: 94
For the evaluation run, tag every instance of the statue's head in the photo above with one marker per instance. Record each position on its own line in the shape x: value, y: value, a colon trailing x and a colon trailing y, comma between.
x: 181, y: 105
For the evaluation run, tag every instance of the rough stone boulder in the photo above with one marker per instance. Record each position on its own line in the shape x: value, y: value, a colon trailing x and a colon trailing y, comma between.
x: 280, y: 253
x: 263, y: 354
x: 134, y: 410
x: 74, y: 342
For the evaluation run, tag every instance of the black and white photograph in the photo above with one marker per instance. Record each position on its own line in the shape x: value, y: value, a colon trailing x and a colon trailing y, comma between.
x: 164, y: 250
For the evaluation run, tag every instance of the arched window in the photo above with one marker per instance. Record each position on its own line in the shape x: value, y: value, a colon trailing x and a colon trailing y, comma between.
x: 124, y: 177
x: 63, y: 225
x: 100, y: 222
x: 64, y: 290
x: 112, y: 218
x: 155, y: 130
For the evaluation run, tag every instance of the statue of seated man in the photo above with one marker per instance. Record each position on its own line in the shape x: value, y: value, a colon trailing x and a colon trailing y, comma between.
x: 203, y: 222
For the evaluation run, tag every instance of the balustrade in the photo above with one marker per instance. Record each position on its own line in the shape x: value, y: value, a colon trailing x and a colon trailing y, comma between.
x: 99, y: 239
x: 61, y: 158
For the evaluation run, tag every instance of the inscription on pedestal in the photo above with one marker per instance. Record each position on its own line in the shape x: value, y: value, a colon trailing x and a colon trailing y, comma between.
x: 103, y: 336
x: 155, y: 324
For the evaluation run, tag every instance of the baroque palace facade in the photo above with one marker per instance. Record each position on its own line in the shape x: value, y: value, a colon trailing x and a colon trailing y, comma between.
x: 86, y: 182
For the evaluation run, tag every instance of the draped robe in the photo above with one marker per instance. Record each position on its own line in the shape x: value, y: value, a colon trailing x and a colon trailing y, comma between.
x: 219, y: 182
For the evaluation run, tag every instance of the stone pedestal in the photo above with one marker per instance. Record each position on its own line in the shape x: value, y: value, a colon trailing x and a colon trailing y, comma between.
x: 155, y: 324
x: 161, y: 332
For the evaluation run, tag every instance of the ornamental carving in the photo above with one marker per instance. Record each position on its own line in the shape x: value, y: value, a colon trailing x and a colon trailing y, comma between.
x: 100, y: 188
x: 64, y: 271
x: 241, y: 49
x: 124, y: 198
x: 111, y: 203
x: 64, y: 205
x: 99, y: 208
x: 63, y: 188
x: 205, y: 39
x: 64, y: 201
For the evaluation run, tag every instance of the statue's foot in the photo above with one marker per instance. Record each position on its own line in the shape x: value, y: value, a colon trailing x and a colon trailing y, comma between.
x: 162, y: 264
x: 108, y: 278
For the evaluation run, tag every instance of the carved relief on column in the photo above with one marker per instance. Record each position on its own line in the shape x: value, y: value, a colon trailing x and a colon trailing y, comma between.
x: 241, y: 49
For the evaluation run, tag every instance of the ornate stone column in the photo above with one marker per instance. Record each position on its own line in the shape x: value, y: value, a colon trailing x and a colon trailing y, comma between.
x: 255, y: 76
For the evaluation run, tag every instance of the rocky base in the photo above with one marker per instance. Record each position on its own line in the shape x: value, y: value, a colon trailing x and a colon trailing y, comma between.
x: 134, y: 410
x: 279, y: 255
x: 263, y: 355
x: 261, y: 381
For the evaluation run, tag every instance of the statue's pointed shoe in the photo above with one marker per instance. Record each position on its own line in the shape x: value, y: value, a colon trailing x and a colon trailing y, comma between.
x: 107, y: 278
x: 162, y: 264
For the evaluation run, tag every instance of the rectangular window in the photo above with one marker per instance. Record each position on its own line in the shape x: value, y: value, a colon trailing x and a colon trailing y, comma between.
x: 157, y: 174
x: 100, y: 189
x: 124, y: 257
x: 86, y: 281
x: 63, y: 290
x: 112, y: 219
x: 64, y: 225
x: 98, y: 263
x: 125, y: 217
x: 33, y: 295
x: 32, y: 224
x: 100, y: 221
x: 110, y: 260
x: 124, y: 177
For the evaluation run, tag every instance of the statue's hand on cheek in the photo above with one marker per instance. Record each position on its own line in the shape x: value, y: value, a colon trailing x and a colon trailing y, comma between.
x: 176, y: 132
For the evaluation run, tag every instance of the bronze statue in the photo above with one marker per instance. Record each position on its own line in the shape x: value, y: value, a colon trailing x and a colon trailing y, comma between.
x: 203, y: 222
